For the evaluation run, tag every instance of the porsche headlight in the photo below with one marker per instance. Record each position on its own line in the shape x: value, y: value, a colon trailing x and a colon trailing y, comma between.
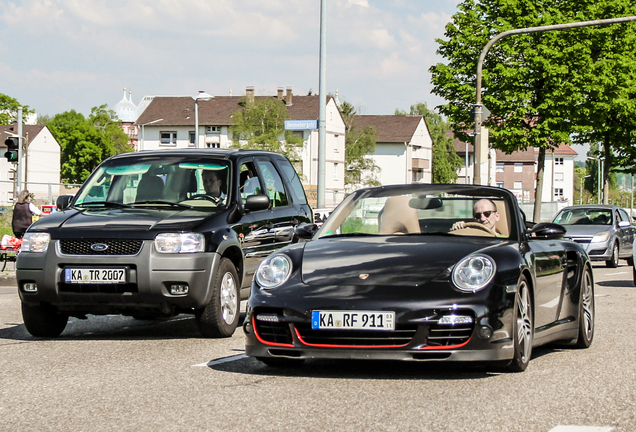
x: 474, y: 272
x: 273, y: 271
x: 179, y: 243
x: 601, y: 237
x: 35, y: 242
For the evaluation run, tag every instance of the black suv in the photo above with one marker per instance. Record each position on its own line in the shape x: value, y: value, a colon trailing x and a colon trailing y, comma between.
x: 154, y: 234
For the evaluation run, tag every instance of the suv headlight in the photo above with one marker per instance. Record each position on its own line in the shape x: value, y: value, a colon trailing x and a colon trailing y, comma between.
x: 601, y: 237
x: 35, y: 242
x: 179, y: 243
x: 273, y: 271
x: 474, y: 272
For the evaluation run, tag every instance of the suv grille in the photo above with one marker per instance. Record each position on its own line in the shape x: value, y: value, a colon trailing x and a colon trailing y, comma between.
x: 115, y: 247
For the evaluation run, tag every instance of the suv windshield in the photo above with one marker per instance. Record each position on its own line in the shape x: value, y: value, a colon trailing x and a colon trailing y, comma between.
x: 151, y: 181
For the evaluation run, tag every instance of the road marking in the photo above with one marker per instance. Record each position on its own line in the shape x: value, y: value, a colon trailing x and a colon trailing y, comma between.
x: 619, y: 273
x: 581, y: 429
x: 221, y: 360
x: 552, y: 303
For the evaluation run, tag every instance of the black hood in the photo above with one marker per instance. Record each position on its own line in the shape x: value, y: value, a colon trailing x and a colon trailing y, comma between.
x: 387, y: 260
x: 121, y: 222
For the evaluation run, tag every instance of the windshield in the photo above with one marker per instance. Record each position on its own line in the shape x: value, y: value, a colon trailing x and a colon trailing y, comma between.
x: 584, y: 216
x: 402, y: 212
x: 173, y: 181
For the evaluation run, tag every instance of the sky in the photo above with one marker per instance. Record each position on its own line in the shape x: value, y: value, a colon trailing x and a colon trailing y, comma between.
x: 58, y: 55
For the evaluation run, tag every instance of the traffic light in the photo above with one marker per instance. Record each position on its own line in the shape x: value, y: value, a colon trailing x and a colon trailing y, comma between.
x: 12, y: 144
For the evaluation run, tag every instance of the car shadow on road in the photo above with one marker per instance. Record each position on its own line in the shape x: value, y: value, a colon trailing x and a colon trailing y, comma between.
x: 617, y: 283
x: 115, y: 327
x: 374, y: 369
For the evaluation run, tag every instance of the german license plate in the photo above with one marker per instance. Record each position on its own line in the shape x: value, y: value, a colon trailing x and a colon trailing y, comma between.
x: 352, y: 320
x: 100, y: 276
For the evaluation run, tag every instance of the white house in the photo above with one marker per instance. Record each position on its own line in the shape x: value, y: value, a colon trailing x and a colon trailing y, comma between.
x: 403, y: 149
x: 168, y: 122
x: 40, y: 166
x: 558, y: 174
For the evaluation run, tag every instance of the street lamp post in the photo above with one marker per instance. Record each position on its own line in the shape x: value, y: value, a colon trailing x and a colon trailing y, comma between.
x: 143, y: 135
x: 201, y: 96
x: 599, y: 176
x: 581, y: 190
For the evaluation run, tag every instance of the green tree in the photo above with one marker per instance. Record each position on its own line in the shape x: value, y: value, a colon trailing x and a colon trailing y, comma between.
x: 532, y: 83
x: 86, y: 142
x: 445, y: 162
x: 9, y: 110
x: 360, y: 169
x: 260, y: 124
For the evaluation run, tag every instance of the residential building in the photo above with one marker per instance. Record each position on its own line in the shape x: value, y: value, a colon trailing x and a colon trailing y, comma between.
x: 168, y: 122
x: 40, y: 166
x: 403, y: 149
x: 517, y: 172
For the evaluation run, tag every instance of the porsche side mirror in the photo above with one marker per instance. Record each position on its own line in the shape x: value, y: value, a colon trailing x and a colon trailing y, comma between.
x: 547, y: 231
x: 305, y: 231
x: 256, y: 203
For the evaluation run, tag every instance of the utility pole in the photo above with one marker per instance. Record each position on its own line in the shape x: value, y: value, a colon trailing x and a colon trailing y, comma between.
x: 18, y: 173
x: 322, y: 98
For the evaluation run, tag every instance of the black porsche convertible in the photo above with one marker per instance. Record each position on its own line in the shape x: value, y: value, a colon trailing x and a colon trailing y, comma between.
x: 422, y: 273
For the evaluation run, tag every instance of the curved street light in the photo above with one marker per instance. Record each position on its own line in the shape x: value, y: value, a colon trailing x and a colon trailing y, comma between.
x: 143, y: 135
x: 581, y: 189
x: 201, y: 96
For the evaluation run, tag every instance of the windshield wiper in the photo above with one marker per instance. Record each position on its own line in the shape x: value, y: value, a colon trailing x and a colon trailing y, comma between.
x: 170, y: 203
x: 102, y: 204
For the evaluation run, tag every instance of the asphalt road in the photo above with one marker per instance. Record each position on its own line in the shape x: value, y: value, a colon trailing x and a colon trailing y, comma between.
x: 115, y: 373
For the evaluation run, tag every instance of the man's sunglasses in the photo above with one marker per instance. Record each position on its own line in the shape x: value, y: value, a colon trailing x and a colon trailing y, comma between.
x: 486, y: 213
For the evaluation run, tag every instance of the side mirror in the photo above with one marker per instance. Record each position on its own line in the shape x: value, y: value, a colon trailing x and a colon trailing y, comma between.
x: 547, y: 231
x: 624, y: 224
x: 305, y: 231
x: 63, y: 202
x: 256, y: 203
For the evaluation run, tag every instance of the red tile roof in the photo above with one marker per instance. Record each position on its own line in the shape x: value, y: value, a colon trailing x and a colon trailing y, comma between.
x: 391, y: 128
x: 179, y: 110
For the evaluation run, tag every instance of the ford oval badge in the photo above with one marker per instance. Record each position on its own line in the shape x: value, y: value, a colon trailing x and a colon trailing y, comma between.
x: 99, y: 247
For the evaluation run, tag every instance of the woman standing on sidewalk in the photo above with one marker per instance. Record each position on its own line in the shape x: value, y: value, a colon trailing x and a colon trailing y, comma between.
x: 23, y: 212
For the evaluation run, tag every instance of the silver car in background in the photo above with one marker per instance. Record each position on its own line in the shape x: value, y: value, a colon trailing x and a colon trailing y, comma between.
x: 606, y: 232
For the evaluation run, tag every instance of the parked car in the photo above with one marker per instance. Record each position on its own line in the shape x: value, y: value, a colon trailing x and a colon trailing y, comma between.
x: 422, y: 273
x: 605, y: 232
x: 155, y: 234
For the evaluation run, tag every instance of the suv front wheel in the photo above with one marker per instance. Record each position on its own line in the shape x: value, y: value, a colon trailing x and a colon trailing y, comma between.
x: 221, y: 316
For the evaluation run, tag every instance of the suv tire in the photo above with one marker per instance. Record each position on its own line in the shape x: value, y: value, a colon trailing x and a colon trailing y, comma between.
x: 220, y: 317
x: 43, y: 321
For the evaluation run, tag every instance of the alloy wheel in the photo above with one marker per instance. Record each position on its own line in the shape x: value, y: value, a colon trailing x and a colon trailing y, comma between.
x: 229, y: 301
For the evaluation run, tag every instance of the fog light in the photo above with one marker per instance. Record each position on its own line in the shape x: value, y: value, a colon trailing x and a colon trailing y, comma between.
x: 484, y: 332
x: 179, y: 289
x: 30, y: 287
x: 267, y: 317
x: 455, y: 319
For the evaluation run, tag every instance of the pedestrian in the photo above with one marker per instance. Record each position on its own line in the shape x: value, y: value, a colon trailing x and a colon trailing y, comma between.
x: 23, y: 212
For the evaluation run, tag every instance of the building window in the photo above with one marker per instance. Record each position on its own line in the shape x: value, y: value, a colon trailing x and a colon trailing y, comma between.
x: 192, y: 138
x: 558, y: 193
x: 210, y: 129
x: 418, y: 174
x: 500, y: 167
x: 500, y: 184
x: 559, y: 176
x: 335, y: 143
x: 11, y: 175
x: 518, y: 168
x: 335, y: 171
x: 169, y: 138
x: 558, y: 161
x: 213, y: 145
x: 518, y: 185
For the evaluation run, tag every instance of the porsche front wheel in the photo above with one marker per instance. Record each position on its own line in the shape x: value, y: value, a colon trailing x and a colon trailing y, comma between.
x: 586, y: 310
x: 522, y: 328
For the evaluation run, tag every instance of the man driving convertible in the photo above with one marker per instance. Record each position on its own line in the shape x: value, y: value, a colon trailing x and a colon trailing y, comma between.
x: 484, y: 212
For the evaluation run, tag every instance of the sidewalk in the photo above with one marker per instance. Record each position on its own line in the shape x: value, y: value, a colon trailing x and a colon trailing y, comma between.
x: 7, y: 277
